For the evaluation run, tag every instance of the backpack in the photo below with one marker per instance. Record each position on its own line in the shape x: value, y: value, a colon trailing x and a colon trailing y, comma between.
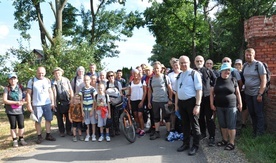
x: 192, y: 74
x: 114, y: 94
x: 268, y: 74
x: 116, y: 84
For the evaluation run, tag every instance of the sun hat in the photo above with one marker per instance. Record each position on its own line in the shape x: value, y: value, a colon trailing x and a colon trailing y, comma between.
x: 12, y: 75
x: 58, y: 69
x: 147, y: 67
x: 238, y: 61
x: 226, y: 66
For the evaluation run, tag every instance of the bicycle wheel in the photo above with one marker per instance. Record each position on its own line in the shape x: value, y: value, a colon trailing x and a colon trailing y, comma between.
x: 127, y: 127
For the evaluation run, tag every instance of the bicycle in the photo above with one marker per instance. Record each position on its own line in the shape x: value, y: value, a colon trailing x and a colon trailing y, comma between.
x: 127, y: 124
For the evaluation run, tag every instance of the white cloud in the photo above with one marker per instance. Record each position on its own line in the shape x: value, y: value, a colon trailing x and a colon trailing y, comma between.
x: 4, y: 31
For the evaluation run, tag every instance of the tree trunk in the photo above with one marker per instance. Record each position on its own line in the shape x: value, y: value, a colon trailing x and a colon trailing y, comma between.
x: 42, y: 32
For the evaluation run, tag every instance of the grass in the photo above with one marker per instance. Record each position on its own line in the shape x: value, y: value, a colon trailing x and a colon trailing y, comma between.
x: 260, y: 149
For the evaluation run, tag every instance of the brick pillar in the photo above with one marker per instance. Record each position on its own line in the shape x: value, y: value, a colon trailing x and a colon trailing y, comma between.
x: 260, y: 34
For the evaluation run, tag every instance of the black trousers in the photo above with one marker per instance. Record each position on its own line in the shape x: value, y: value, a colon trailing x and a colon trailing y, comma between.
x: 189, y: 121
x: 62, y: 110
x: 206, y: 117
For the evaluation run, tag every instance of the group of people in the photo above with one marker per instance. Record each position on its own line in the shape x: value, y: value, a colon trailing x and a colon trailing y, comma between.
x: 199, y: 94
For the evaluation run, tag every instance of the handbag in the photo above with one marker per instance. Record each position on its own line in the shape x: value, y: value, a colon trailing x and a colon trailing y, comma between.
x: 169, y: 109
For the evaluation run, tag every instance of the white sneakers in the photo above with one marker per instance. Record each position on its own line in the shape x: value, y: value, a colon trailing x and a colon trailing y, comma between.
x: 94, y: 138
x: 107, y: 138
x: 101, y: 138
x: 87, y: 138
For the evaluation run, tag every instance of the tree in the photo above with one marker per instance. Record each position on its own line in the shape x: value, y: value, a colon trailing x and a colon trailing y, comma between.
x: 179, y: 28
x: 229, y: 25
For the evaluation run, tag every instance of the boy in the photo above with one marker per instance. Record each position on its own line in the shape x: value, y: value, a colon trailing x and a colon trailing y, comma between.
x: 76, y: 115
x: 87, y: 94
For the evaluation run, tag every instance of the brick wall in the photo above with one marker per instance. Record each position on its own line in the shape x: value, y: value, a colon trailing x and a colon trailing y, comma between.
x: 260, y: 34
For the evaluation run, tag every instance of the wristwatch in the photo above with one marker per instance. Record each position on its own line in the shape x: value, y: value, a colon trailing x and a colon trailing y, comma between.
x: 260, y: 94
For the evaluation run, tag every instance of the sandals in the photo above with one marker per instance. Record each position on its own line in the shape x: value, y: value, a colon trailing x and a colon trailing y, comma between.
x: 222, y: 143
x: 229, y: 147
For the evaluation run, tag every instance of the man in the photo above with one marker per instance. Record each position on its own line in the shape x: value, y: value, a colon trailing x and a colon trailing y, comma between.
x: 40, y: 101
x: 159, y: 94
x: 93, y: 70
x: 188, y: 88
x: 63, y: 93
x: 206, y: 113
x: 209, y: 64
x: 119, y: 77
x: 148, y: 75
x: 255, y: 83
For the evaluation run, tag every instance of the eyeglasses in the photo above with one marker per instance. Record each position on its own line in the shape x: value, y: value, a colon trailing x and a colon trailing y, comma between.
x: 199, y: 61
x: 110, y: 75
x: 226, y: 61
x: 209, y: 63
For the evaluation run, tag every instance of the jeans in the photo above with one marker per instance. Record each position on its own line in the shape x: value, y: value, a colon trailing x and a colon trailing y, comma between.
x: 256, y: 111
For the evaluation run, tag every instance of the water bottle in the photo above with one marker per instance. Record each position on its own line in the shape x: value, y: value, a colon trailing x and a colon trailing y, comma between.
x: 178, y: 114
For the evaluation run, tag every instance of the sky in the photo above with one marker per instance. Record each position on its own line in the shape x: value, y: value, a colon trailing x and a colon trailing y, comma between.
x: 133, y: 52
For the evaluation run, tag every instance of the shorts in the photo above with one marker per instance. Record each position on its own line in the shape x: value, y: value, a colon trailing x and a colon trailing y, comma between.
x: 101, y: 120
x: 134, y: 106
x: 43, y: 111
x: 77, y: 125
x: 89, y: 120
x: 227, y: 117
x: 157, y: 107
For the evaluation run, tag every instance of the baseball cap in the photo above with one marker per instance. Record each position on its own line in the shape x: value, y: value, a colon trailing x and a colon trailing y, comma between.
x: 12, y: 75
x: 238, y: 61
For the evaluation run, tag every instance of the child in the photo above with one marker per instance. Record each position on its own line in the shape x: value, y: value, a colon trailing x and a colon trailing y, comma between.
x: 87, y: 94
x: 102, y: 107
x: 76, y: 115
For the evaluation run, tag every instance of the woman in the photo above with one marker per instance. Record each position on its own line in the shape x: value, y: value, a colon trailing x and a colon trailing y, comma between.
x: 137, y: 91
x: 172, y: 76
x: 13, y: 100
x: 225, y: 94
x: 238, y: 65
x: 114, y: 90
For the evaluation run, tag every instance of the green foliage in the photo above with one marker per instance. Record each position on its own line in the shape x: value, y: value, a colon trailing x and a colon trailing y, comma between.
x: 176, y: 28
x: 260, y: 149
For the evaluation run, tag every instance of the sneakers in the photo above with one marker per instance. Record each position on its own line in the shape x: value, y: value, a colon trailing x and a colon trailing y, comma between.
x: 167, y: 134
x: 39, y: 139
x: 142, y: 133
x: 94, y: 138
x: 211, y: 142
x: 81, y: 138
x: 75, y: 139
x: 155, y: 135
x: 107, y: 138
x: 87, y: 138
x: 15, y: 143
x: 101, y: 138
x: 22, y: 142
x: 50, y: 138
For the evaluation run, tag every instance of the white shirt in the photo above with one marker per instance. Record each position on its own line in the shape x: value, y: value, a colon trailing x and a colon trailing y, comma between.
x: 40, y: 91
x: 137, y: 91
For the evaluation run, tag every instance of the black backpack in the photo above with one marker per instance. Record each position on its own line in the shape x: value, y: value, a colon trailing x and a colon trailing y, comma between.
x: 268, y: 74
